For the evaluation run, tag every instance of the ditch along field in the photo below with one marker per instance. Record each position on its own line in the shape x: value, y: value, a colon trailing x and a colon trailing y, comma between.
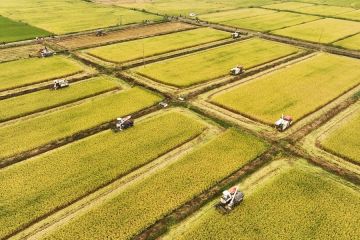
x: 34, y: 102
x: 295, y: 201
x: 326, y: 30
x: 55, y: 125
x: 137, y: 207
x: 301, y: 89
x: 58, y: 16
x: 258, y: 19
x: 214, y: 63
x: 48, y: 182
x: 185, y: 7
x: 21, y: 52
x: 147, y: 47
x: 91, y: 40
x: 12, y: 31
x: 343, y: 140
x: 25, y: 72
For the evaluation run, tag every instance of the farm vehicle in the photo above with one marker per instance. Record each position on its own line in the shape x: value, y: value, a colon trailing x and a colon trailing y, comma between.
x: 100, y: 33
x: 59, y: 84
x: 230, y: 199
x: 45, y: 52
x: 123, y: 123
x: 237, y: 70
x: 283, y: 123
x: 236, y: 35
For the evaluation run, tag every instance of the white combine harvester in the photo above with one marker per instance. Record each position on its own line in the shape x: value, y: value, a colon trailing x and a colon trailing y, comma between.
x: 283, y: 123
x: 45, y: 52
x: 123, y: 123
x: 237, y: 70
x: 235, y: 35
x: 58, y: 84
x: 230, y: 199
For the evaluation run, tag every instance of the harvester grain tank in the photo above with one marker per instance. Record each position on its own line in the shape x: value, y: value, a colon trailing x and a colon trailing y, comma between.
x: 283, y: 123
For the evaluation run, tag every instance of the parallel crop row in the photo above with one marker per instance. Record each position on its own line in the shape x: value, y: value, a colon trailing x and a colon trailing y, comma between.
x: 31, y: 133
x: 25, y: 104
x: 145, y: 202
x: 39, y: 185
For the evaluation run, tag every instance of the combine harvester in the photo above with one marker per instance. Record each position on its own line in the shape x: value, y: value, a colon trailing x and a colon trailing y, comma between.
x: 237, y: 70
x: 230, y: 199
x: 123, y: 123
x: 283, y: 123
x: 45, y: 52
x: 236, y: 35
x: 59, y: 84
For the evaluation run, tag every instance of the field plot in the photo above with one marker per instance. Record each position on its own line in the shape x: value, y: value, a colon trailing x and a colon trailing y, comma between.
x: 123, y: 52
x: 321, y: 31
x: 322, y: 10
x: 84, y: 41
x: 354, y: 15
x: 20, y: 136
x: 350, y: 43
x: 214, y: 63
x: 185, y: 7
x: 12, y: 31
x: 342, y: 3
x: 258, y: 19
x: 296, y: 90
x: 345, y: 139
x: 187, y: 177
x: 34, y: 102
x: 57, y: 16
x: 58, y: 177
x: 21, y: 52
x: 302, y: 202
x: 30, y: 71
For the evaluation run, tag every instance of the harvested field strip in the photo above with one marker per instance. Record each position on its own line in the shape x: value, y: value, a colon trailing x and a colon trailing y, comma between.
x: 279, y: 208
x: 345, y: 139
x: 214, y: 63
x: 261, y: 22
x: 12, y: 31
x: 297, y: 90
x: 34, y: 102
x: 87, y: 14
x: 70, y: 172
x: 326, y: 30
x: 137, y: 207
x: 349, y: 43
x: 34, y: 132
x: 29, y: 71
x: 85, y: 41
x: 132, y: 50
x: 16, y: 53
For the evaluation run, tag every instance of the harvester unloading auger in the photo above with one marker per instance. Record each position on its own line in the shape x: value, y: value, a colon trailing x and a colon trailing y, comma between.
x: 230, y: 199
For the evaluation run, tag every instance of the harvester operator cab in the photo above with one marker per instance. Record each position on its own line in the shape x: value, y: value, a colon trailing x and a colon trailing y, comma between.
x: 58, y: 84
x: 237, y: 70
x: 124, y: 123
x: 283, y: 123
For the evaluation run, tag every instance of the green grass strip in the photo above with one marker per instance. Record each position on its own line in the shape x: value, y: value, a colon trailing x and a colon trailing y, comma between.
x: 29, y: 134
x: 34, y: 102
x: 30, y: 189
x: 147, y: 201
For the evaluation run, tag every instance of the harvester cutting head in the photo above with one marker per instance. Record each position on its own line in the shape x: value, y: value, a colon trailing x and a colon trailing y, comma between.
x: 230, y: 199
x: 123, y: 123
x: 283, y: 123
x: 237, y: 70
x: 58, y: 84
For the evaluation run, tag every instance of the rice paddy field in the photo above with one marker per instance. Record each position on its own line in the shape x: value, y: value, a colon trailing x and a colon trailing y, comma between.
x: 34, y: 70
x: 151, y: 126
x: 306, y: 86
x: 344, y: 140
x: 214, y: 63
x: 132, y: 50
x: 295, y: 194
